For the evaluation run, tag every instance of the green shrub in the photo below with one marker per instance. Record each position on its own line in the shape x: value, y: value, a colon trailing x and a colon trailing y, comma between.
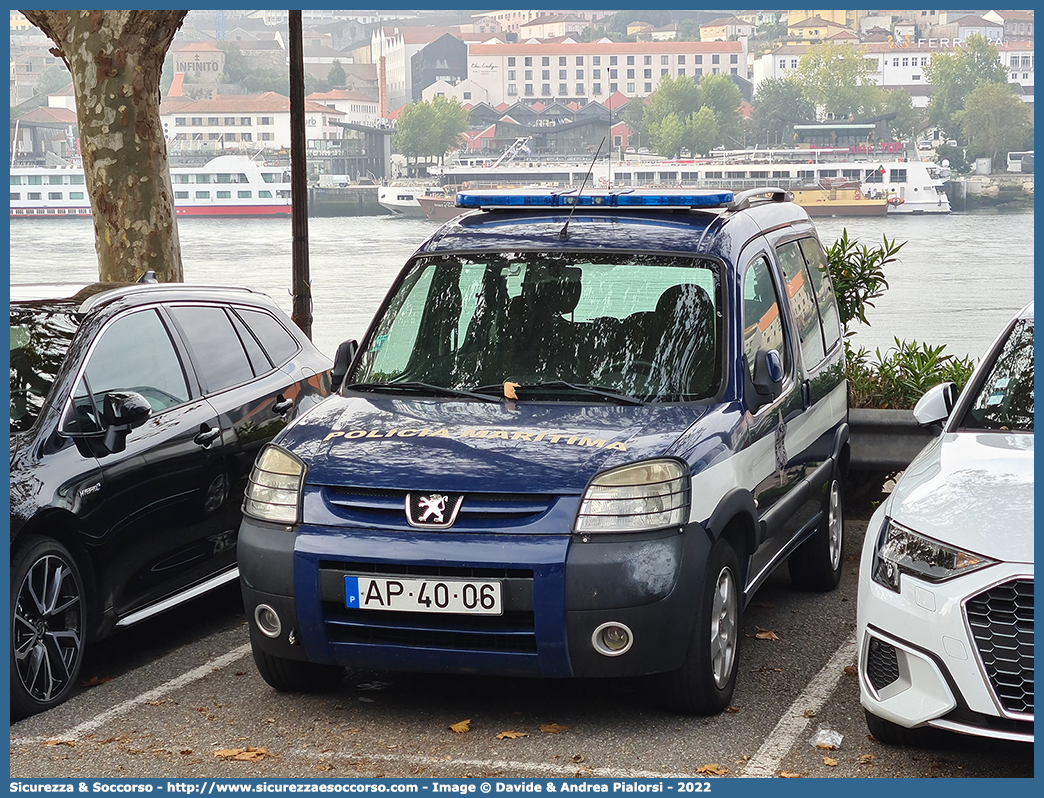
x: 897, y: 377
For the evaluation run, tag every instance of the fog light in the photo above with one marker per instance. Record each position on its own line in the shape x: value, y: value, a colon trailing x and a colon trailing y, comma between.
x: 612, y: 639
x: 267, y: 620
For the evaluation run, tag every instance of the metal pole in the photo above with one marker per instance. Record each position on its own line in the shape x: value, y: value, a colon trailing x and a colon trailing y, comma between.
x: 302, y: 310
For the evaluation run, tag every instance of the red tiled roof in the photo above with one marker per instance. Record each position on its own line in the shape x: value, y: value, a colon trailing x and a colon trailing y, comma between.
x: 501, y: 107
x: 602, y: 48
x: 176, y: 85
x: 45, y: 115
x: 340, y: 94
x: 245, y: 103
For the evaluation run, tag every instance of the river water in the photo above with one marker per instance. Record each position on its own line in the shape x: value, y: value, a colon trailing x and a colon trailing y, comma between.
x: 959, y: 277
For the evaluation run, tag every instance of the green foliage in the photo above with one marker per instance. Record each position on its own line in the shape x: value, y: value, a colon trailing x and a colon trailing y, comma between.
x: 994, y: 121
x: 703, y: 129
x: 429, y: 129
x: 688, y: 30
x: 908, y: 121
x: 337, y: 77
x: 858, y: 274
x: 955, y: 75
x: 674, y: 116
x: 899, y: 376
x: 779, y: 104
x: 838, y: 77
x: 720, y: 94
x: 955, y: 155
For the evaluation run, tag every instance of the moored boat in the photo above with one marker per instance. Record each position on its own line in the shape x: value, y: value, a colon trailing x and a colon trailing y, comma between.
x: 403, y: 200
x: 228, y: 185
x: 906, y: 186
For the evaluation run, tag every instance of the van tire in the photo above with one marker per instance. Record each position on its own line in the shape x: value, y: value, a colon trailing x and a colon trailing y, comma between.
x: 816, y: 564
x: 706, y: 680
x: 295, y: 676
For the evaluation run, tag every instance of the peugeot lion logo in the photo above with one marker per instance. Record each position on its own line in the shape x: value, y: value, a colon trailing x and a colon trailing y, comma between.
x: 432, y: 510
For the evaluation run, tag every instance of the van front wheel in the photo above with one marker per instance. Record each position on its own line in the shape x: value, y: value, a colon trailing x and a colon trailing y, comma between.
x: 295, y: 676
x: 706, y: 680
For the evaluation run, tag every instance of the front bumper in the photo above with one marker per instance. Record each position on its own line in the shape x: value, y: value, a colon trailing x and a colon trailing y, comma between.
x: 921, y: 665
x: 557, y: 591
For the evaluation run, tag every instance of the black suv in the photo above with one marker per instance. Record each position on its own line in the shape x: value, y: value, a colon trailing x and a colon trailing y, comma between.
x: 136, y: 413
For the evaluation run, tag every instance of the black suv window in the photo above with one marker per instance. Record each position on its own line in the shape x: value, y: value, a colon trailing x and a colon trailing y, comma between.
x: 762, y: 325
x: 134, y: 353
x: 274, y: 337
x: 802, y: 302
x: 220, y: 357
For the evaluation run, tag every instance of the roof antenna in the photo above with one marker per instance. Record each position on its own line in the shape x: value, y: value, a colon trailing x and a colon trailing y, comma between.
x: 563, y: 234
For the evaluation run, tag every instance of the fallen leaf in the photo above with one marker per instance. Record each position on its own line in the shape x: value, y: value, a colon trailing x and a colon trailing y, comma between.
x: 712, y: 769
x: 765, y: 634
x: 94, y: 681
x: 810, y: 713
x: 248, y: 754
x: 509, y: 390
x: 732, y: 710
x: 552, y: 728
x: 463, y: 727
x: 865, y: 759
x: 826, y: 746
x: 850, y: 670
x: 829, y: 762
x: 578, y: 758
x: 511, y: 735
x: 185, y: 752
x: 787, y: 774
x: 69, y: 743
x: 366, y: 700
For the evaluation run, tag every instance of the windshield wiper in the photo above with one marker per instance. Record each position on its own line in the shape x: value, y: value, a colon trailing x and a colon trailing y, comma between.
x: 415, y: 387
x: 561, y: 385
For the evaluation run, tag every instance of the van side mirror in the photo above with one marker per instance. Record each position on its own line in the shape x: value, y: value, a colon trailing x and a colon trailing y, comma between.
x: 122, y: 412
x: 768, y: 376
x: 342, y: 362
x: 935, y: 406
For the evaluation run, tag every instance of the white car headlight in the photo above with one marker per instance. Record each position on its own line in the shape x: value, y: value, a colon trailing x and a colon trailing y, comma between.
x: 273, y: 492
x: 636, y: 498
x: 902, y: 551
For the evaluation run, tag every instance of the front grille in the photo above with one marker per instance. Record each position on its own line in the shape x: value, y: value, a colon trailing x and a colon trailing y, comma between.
x: 510, y: 632
x: 882, y: 664
x: 384, y: 508
x: 432, y: 571
x: 1001, y: 622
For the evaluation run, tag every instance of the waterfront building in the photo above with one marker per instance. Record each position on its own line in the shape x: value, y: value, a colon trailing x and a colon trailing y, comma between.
x: 512, y: 20
x: 358, y: 108
x: 242, y: 122
x: 724, y: 28
x: 1018, y: 25
x: 580, y: 72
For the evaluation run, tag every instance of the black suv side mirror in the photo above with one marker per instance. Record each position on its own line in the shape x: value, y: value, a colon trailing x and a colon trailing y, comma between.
x: 768, y: 376
x: 122, y: 412
x: 342, y: 361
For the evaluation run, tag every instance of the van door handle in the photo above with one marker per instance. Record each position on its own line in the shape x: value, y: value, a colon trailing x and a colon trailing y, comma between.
x: 282, y: 405
x: 207, y: 435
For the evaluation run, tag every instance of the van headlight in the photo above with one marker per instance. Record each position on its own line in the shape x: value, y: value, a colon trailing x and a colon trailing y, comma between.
x: 903, y: 551
x: 636, y: 498
x: 273, y: 492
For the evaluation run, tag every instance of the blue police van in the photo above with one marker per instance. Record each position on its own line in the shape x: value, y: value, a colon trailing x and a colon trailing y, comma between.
x: 580, y: 432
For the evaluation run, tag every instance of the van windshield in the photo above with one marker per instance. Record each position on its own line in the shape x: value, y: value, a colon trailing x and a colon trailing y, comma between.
x: 644, y: 326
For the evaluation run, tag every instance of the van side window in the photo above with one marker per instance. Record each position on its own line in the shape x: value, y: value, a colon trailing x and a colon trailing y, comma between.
x: 802, y: 302
x: 822, y: 285
x: 762, y: 325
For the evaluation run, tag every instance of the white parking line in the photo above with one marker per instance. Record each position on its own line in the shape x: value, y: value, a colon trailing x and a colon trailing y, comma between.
x: 794, y: 721
x: 151, y: 695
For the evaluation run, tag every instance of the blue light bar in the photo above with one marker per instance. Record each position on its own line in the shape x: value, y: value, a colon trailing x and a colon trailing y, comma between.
x: 621, y: 198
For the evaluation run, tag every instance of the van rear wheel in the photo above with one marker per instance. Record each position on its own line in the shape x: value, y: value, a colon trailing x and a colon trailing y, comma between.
x: 816, y: 563
x: 295, y: 676
x: 706, y: 680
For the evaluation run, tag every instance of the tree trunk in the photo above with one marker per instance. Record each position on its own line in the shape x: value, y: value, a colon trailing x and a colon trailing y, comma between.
x: 116, y: 59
